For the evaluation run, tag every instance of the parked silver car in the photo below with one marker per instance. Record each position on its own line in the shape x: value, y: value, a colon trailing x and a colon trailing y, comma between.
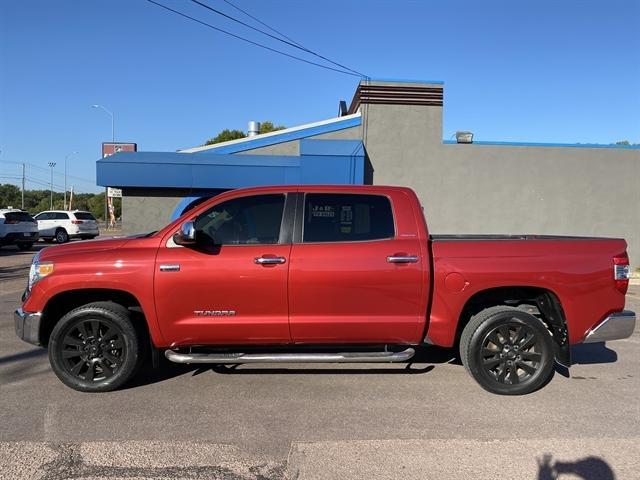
x: 62, y: 225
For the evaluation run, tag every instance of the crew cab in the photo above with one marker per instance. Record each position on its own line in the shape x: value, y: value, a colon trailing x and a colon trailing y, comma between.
x: 322, y: 274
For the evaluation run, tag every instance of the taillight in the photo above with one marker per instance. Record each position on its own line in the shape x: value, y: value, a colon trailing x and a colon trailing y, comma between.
x: 77, y: 222
x: 621, y: 272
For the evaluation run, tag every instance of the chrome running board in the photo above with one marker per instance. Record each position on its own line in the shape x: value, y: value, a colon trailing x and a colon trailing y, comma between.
x: 346, y: 357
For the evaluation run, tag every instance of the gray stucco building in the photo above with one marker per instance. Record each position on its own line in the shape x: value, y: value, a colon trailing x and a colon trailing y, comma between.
x: 392, y: 134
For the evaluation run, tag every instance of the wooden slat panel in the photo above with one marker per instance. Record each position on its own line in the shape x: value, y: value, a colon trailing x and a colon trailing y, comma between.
x: 396, y: 95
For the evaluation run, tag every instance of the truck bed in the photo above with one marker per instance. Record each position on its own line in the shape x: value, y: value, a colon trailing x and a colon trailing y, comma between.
x: 473, y: 237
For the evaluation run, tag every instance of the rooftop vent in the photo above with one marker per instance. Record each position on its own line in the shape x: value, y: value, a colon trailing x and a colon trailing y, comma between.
x: 464, y: 137
x: 254, y: 129
x: 342, y: 109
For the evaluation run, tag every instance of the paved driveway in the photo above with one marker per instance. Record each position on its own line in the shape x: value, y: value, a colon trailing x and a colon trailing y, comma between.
x: 427, y: 421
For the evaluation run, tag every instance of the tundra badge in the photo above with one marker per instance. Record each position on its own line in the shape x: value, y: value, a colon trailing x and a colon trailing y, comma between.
x: 214, y: 313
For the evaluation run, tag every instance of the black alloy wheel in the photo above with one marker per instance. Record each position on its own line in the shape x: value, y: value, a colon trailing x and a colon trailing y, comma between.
x: 507, y: 351
x: 93, y: 350
x: 511, y: 353
x: 96, y: 348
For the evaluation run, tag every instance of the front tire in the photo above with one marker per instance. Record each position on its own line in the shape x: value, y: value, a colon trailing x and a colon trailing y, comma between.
x: 95, y: 348
x: 507, y: 351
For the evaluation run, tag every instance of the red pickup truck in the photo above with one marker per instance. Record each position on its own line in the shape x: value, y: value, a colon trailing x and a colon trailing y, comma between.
x: 322, y: 274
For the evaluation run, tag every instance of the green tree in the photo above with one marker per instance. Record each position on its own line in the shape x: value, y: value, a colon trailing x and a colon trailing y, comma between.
x: 625, y: 143
x: 9, y: 196
x: 227, y: 135
x: 267, y: 126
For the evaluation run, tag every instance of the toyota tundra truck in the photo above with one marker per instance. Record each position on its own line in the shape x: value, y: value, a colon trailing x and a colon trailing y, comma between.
x: 322, y: 274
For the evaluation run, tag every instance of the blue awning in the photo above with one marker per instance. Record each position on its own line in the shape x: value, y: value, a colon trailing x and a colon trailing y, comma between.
x: 320, y: 162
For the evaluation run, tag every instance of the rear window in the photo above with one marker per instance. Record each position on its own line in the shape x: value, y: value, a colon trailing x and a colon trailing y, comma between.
x: 330, y: 217
x: 84, y: 216
x: 15, y: 217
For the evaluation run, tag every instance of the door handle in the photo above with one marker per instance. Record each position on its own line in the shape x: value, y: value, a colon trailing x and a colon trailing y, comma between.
x: 402, y: 258
x: 269, y: 260
x: 169, y: 268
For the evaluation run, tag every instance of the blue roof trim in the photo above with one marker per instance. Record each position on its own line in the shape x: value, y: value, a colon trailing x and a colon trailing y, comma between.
x: 542, y: 144
x: 174, y: 158
x: 284, y: 137
x: 406, y: 80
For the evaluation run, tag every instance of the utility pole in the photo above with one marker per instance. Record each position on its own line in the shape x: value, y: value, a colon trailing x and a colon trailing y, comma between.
x: 23, y: 172
x: 65, y: 177
x: 51, y: 165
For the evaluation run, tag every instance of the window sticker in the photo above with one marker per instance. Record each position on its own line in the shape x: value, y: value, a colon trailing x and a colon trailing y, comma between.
x: 346, y: 214
x: 327, y: 211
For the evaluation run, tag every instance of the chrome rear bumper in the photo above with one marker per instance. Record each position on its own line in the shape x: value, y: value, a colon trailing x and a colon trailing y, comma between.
x: 616, y: 326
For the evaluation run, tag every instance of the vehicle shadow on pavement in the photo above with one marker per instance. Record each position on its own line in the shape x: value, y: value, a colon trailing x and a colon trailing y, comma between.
x: 7, y: 251
x: 591, y: 353
x: 18, y: 357
x: 167, y: 370
x: 408, y: 369
x: 588, y: 468
x: 149, y: 375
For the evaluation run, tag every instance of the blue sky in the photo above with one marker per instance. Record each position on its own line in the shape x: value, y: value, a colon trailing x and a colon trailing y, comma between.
x: 540, y: 71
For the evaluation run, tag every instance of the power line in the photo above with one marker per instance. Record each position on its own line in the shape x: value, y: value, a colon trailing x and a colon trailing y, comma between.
x: 287, y: 42
x: 55, y: 173
x: 261, y: 22
x: 251, y: 41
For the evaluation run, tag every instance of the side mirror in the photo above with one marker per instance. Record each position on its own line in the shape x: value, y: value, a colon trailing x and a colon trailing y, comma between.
x: 187, y: 234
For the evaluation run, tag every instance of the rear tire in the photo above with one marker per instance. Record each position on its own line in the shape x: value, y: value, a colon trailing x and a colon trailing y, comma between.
x: 507, y: 351
x: 62, y: 236
x: 95, y: 348
x: 25, y: 246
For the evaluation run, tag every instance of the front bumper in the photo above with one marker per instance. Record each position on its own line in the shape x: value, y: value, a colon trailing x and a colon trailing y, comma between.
x: 616, y: 326
x: 28, y: 326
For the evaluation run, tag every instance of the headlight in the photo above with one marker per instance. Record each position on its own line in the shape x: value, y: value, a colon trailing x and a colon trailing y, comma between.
x: 38, y: 271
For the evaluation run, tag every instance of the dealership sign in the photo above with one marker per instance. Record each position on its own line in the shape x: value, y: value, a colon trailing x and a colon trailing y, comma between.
x: 109, y: 148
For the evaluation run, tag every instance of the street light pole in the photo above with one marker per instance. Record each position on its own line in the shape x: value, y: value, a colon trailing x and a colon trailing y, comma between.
x: 51, y: 165
x: 65, y: 177
x: 110, y: 113
x: 113, y: 139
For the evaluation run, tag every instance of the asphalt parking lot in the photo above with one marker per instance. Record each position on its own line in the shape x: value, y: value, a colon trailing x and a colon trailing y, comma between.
x: 425, y: 420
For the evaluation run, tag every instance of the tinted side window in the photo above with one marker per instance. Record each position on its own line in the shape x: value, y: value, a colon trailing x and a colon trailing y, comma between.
x: 61, y: 216
x: 332, y: 217
x: 242, y: 221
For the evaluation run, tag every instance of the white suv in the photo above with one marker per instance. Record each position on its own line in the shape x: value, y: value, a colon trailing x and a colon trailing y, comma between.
x: 17, y: 228
x: 62, y: 225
